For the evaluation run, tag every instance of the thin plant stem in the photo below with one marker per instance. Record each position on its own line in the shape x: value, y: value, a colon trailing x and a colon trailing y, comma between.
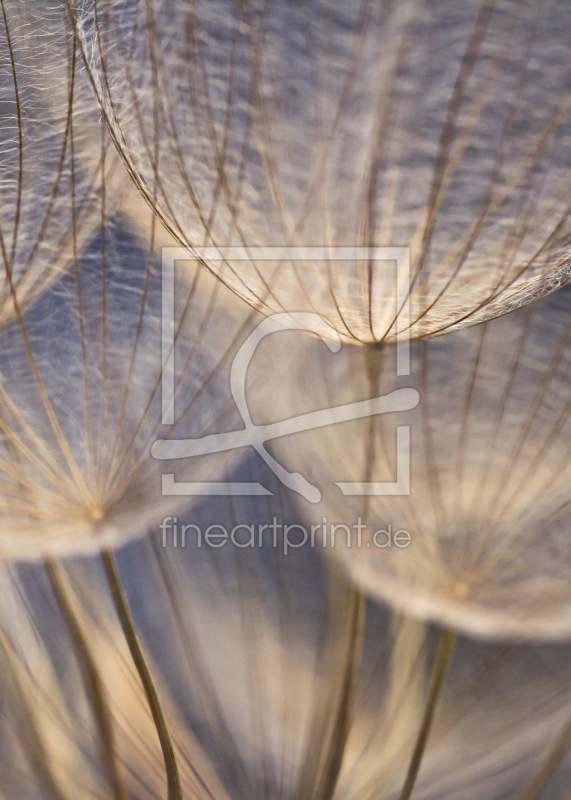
x: 342, y: 725
x: 556, y: 755
x: 90, y: 675
x: 441, y: 662
x: 174, y: 791
x: 30, y: 732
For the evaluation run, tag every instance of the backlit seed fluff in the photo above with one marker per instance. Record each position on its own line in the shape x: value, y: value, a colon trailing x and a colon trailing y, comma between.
x: 54, y: 155
x: 82, y: 396
x: 251, y: 682
x: 479, y: 469
x: 442, y: 128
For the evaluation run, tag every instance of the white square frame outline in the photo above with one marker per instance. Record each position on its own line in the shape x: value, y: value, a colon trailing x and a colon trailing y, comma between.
x: 401, y: 255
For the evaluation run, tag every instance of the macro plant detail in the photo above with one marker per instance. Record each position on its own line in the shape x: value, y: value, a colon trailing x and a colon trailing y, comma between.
x: 442, y: 127
x: 78, y: 472
x: 197, y: 643
x: 487, y: 509
x: 55, y: 160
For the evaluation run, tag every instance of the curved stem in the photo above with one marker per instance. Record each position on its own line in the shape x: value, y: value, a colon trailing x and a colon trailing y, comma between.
x: 30, y: 733
x: 441, y: 662
x: 122, y: 606
x: 90, y: 675
x: 556, y: 755
x: 342, y: 724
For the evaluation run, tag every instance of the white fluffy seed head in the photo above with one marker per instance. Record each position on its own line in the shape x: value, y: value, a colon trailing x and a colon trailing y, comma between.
x: 82, y: 396
x: 442, y: 128
x: 54, y: 158
x: 482, y: 487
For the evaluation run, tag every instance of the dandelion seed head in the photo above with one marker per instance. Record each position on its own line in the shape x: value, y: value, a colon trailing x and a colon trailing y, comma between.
x: 486, y: 501
x: 52, y: 164
x: 81, y: 397
x: 441, y: 128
